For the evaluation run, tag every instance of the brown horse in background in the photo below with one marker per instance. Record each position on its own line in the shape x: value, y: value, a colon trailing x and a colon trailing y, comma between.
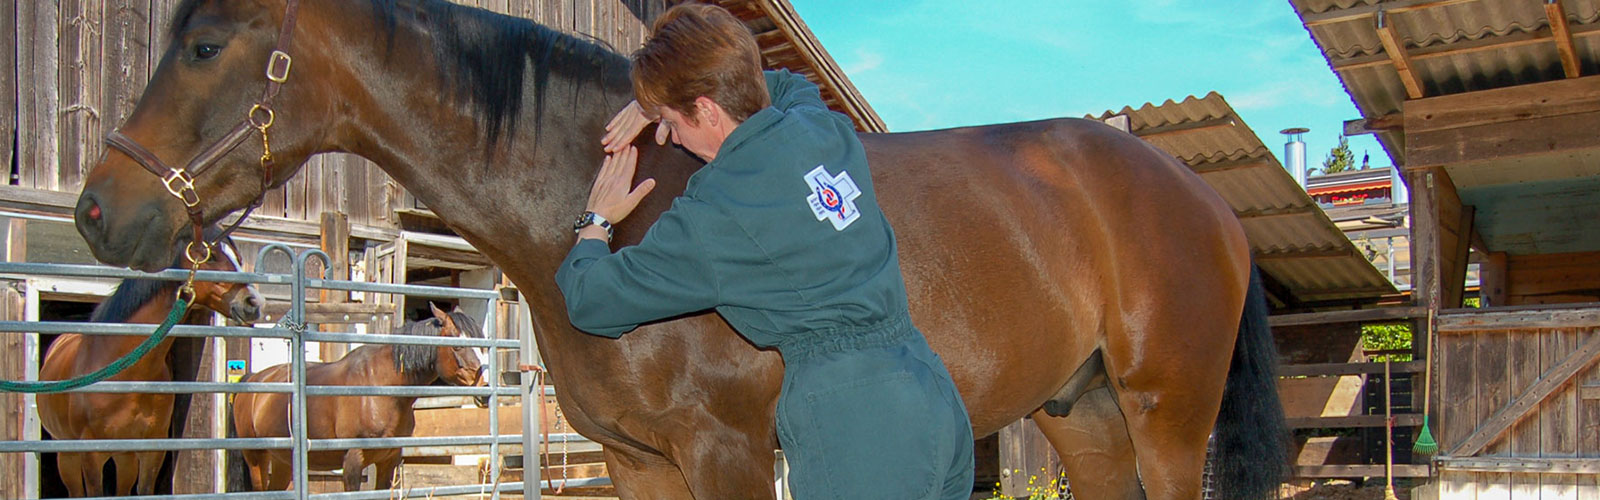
x: 329, y: 417
x: 90, y: 415
x: 1062, y: 269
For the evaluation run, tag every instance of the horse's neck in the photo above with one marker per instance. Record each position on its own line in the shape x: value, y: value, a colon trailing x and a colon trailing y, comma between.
x: 373, y: 365
x: 113, y: 346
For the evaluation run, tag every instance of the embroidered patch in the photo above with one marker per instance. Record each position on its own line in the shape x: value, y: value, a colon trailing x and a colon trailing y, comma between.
x: 833, y: 197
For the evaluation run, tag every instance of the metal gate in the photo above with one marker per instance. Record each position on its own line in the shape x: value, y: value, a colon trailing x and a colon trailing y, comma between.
x: 292, y: 327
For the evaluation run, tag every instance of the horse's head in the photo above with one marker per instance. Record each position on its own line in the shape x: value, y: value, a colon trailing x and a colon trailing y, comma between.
x: 458, y: 365
x: 215, y: 70
x: 240, y: 301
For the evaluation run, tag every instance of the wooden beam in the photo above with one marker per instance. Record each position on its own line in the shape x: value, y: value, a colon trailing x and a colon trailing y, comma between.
x: 1589, y: 392
x: 1552, y: 379
x: 1454, y: 263
x: 1354, y: 13
x: 1385, y: 314
x: 1518, y: 103
x: 336, y: 243
x: 1530, y: 318
x: 1521, y: 465
x: 1395, y: 47
x: 1353, y: 421
x: 1462, y: 47
x: 1426, y: 237
x: 1559, y: 30
x: 1352, y: 471
x: 1362, y: 126
x: 1330, y: 369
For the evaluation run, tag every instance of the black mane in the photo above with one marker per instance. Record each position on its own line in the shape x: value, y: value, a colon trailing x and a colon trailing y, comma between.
x: 485, y: 55
x: 418, y: 360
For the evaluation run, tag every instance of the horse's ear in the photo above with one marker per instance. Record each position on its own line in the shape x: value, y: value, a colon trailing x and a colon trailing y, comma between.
x: 447, y: 324
x: 438, y: 313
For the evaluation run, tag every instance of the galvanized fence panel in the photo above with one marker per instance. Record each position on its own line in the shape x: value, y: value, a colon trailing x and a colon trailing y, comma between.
x: 293, y: 329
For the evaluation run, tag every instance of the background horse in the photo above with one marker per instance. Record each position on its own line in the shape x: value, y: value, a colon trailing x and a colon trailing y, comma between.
x: 1058, y: 261
x: 89, y: 415
x: 328, y: 417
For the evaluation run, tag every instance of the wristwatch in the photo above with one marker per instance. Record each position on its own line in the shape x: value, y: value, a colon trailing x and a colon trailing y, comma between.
x: 592, y: 219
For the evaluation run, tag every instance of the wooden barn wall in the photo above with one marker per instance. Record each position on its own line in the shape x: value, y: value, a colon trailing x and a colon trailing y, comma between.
x: 1553, y: 278
x: 79, y: 67
x: 1483, y: 370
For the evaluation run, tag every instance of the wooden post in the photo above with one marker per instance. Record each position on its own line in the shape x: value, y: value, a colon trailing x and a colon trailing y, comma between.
x: 1023, y: 452
x: 1492, y: 275
x: 13, y: 405
x: 336, y: 242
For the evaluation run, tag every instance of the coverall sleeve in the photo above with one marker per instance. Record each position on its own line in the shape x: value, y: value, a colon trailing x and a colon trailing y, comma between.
x: 666, y: 274
x: 790, y: 91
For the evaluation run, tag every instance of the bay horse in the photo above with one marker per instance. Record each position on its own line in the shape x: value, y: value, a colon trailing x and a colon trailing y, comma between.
x: 89, y: 415
x: 1059, y: 261
x: 327, y: 417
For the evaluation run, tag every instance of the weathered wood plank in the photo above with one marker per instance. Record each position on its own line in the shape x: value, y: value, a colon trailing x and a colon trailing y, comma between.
x: 1457, y: 485
x: 9, y: 73
x: 1562, y: 364
x: 1357, y: 471
x: 1425, y: 244
x: 1457, y: 403
x: 1524, y: 360
x: 38, y: 152
x: 1523, y: 319
x: 80, y: 78
x: 557, y: 15
x: 1358, y: 315
x: 1558, y: 410
x: 1352, y: 421
x: 127, y: 59
x: 1589, y: 426
x: 1521, y: 465
x: 1535, y: 136
x: 1494, y: 376
x: 1326, y: 369
x: 1503, y: 105
x: 12, y: 405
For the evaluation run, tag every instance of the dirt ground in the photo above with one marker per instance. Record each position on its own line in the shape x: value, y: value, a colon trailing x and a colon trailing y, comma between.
x: 1343, y: 490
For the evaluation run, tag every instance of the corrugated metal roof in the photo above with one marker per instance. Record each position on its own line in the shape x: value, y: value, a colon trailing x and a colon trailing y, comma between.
x: 1455, y: 46
x: 1293, y: 240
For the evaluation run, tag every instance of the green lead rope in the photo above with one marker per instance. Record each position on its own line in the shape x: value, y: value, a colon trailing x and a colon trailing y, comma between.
x: 110, y: 370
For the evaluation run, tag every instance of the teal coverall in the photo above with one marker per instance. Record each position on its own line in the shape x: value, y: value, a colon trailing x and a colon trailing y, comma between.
x: 781, y: 233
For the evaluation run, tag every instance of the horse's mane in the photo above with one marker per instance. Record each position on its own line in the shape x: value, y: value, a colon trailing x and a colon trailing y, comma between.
x: 486, y: 55
x: 418, y: 360
x: 133, y: 293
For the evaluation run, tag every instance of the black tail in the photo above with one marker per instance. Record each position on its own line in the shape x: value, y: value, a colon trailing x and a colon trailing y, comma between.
x: 1252, y: 439
x: 238, y: 476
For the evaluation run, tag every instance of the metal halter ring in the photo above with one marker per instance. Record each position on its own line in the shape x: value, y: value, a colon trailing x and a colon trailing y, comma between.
x: 186, y: 288
x: 181, y: 185
x: 188, y: 252
x: 255, y: 111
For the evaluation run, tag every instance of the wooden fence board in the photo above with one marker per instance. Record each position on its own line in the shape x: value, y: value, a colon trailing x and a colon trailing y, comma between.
x: 12, y: 404
x: 1524, y: 355
x: 1493, y: 380
x: 127, y: 59
x: 9, y: 71
x: 1559, y: 411
x: 38, y: 127
x: 1457, y: 408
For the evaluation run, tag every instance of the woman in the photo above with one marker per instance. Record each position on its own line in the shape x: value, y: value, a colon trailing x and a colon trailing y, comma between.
x: 780, y: 232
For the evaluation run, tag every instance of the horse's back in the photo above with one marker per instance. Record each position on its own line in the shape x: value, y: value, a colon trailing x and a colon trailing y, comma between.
x: 1033, y: 244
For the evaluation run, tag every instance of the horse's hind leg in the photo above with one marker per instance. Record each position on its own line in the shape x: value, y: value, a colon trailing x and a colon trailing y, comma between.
x: 127, y: 465
x: 70, y: 467
x: 1094, y: 446
x: 149, y: 468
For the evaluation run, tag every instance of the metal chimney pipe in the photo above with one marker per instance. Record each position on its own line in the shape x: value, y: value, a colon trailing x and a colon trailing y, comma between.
x: 1294, y: 154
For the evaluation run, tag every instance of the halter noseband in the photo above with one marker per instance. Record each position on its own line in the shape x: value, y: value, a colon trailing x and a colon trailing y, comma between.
x: 180, y: 181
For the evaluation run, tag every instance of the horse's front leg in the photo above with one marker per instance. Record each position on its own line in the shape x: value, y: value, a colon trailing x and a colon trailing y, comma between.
x: 384, y: 468
x: 642, y: 475
x: 725, y: 462
x: 70, y: 467
x: 352, y: 470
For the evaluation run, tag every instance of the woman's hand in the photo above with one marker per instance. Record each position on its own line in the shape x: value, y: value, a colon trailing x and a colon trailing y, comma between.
x: 610, y: 197
x: 626, y: 125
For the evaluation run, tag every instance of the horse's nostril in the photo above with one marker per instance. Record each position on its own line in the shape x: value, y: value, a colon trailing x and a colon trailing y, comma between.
x: 94, y: 212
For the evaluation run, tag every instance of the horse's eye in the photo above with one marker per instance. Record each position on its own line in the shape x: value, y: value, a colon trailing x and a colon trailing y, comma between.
x: 206, y: 51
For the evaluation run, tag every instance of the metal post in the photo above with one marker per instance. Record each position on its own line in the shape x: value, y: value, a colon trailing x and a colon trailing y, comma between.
x: 297, y: 313
x: 494, y: 398
x: 531, y: 416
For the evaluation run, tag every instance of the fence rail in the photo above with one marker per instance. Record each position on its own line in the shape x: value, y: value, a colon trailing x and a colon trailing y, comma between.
x: 299, y: 282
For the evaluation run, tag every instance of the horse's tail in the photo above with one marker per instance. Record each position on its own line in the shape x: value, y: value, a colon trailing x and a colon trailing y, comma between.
x: 237, y: 477
x: 1251, y: 438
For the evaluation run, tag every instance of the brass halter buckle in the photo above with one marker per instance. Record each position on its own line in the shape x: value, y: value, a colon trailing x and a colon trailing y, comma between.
x: 275, y: 74
x: 181, y: 185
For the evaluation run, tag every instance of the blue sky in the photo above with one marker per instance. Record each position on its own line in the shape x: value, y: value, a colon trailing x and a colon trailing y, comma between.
x: 928, y: 64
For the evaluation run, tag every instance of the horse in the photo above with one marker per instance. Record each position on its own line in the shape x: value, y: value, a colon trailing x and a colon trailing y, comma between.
x: 1057, y: 261
x: 89, y: 415
x: 328, y: 417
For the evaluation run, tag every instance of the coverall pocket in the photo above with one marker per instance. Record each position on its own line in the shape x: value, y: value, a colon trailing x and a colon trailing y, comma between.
x: 873, y: 437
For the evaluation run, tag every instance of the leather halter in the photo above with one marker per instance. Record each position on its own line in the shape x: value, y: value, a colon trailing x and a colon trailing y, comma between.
x: 180, y: 181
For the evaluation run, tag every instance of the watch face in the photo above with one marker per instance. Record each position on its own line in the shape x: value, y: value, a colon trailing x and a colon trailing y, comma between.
x: 584, y: 220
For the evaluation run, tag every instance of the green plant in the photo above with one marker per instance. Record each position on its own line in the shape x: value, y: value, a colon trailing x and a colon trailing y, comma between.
x: 1387, y: 338
x: 1038, y: 489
